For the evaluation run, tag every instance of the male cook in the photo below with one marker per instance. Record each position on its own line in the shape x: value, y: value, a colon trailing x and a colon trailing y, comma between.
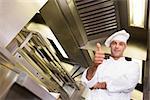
x: 113, y: 78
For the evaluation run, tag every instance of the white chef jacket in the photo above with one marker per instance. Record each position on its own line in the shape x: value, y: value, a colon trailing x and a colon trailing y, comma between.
x: 121, y: 77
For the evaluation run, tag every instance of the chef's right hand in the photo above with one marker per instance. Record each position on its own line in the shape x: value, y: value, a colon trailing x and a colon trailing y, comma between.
x: 98, y: 59
x: 99, y: 55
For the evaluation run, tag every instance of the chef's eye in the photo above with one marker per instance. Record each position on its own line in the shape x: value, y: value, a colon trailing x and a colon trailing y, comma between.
x: 121, y: 43
x: 113, y: 43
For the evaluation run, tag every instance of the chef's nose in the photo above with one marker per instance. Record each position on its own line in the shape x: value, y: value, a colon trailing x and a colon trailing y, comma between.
x: 117, y: 45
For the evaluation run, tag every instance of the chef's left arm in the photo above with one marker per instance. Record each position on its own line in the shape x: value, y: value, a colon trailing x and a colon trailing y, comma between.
x: 126, y: 82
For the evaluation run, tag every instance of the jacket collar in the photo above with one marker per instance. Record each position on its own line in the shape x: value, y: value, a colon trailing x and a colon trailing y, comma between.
x: 120, y: 59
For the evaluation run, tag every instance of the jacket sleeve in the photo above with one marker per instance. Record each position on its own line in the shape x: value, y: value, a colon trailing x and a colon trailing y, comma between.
x: 88, y: 83
x: 126, y: 82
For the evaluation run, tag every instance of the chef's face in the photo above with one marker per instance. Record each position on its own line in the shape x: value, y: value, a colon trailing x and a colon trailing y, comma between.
x: 117, y: 48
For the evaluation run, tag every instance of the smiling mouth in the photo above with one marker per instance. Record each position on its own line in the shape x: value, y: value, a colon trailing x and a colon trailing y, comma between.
x: 117, y: 50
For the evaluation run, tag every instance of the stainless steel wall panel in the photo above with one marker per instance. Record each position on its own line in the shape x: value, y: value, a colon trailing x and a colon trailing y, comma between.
x: 7, y: 79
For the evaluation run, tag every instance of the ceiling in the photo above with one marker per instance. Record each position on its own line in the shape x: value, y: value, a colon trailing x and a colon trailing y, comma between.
x: 81, y: 23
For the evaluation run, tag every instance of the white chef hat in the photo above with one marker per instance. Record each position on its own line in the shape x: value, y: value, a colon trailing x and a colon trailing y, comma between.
x: 120, y: 35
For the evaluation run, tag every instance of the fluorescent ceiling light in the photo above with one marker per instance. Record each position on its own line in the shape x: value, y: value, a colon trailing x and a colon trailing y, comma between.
x: 137, y: 12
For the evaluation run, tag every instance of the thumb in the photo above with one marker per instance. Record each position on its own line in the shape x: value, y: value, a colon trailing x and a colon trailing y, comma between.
x: 98, y: 46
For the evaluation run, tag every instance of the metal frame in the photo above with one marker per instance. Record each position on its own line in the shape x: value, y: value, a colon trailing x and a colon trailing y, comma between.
x: 28, y: 54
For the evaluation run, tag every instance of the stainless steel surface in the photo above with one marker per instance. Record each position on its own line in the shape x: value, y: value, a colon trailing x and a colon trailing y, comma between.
x: 25, y: 81
x: 21, y: 13
x: 72, y: 25
x: 67, y: 28
x: 146, y: 87
x: 10, y: 75
x: 7, y: 79
x: 65, y: 20
x: 34, y: 53
x: 95, y: 14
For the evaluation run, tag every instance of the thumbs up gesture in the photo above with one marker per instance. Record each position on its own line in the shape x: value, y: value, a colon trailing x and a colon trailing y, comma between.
x: 99, y: 55
x: 98, y: 59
